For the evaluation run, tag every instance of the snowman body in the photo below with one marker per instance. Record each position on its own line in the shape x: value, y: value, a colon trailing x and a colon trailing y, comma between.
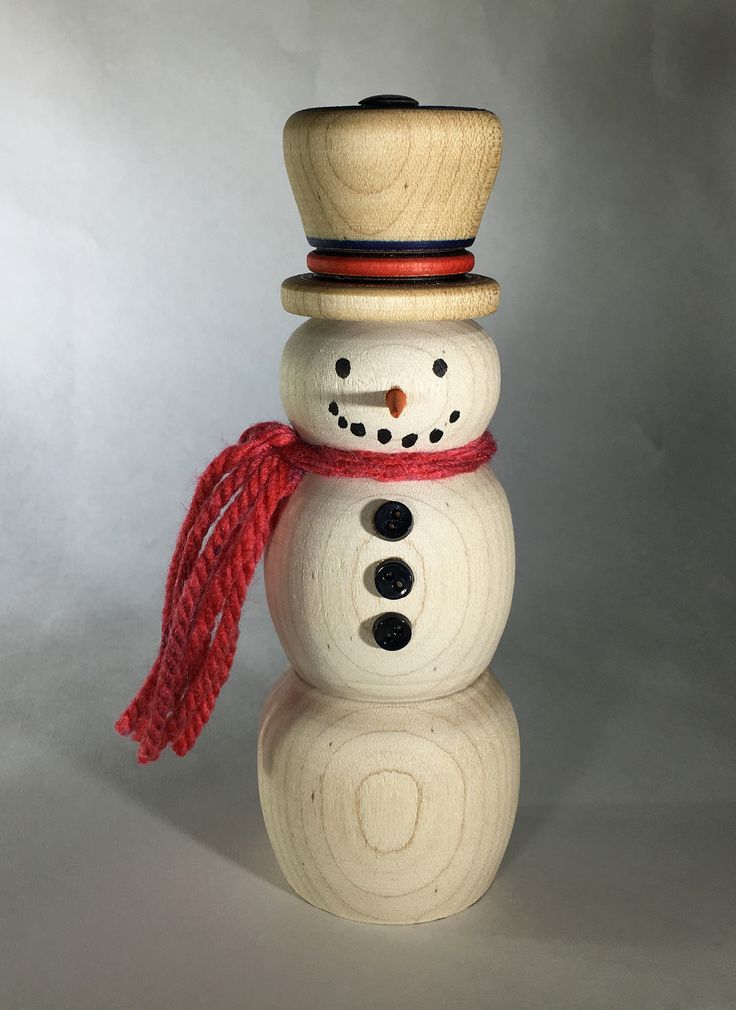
x: 338, y: 561
x: 388, y: 755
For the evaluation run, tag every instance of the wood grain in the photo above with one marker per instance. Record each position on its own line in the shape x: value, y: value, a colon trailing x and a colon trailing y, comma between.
x: 383, y: 356
x: 321, y: 561
x: 323, y: 298
x: 392, y: 174
x: 385, y: 812
x: 389, y: 779
x: 319, y: 581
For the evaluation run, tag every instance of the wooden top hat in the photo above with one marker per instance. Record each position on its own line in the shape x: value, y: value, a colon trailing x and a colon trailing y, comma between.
x: 391, y: 194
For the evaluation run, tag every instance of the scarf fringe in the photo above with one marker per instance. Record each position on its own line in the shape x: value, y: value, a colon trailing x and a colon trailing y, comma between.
x: 223, y: 536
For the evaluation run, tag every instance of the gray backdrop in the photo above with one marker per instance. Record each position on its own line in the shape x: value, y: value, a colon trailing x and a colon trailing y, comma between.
x: 145, y: 225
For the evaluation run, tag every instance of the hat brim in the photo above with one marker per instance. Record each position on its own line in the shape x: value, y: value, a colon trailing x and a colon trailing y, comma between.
x: 448, y: 298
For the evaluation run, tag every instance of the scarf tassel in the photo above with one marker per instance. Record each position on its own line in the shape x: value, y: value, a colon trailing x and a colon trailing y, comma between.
x: 221, y: 541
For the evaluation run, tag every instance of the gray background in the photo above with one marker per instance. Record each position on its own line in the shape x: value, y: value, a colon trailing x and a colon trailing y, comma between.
x: 145, y: 225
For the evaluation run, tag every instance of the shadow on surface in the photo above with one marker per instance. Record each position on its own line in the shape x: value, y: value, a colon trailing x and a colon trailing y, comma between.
x: 90, y: 670
x: 212, y: 795
x: 619, y: 874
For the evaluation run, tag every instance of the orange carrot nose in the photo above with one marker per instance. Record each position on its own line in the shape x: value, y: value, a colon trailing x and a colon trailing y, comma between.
x: 395, y: 401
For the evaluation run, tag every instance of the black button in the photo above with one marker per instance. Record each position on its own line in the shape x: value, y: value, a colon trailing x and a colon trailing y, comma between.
x: 391, y: 632
x: 393, y: 579
x: 393, y: 520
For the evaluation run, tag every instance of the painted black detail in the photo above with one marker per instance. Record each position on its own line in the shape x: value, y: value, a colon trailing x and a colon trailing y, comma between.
x: 436, y: 434
x: 366, y: 245
x: 384, y: 436
x: 342, y: 422
x: 408, y: 440
x: 454, y: 416
x: 393, y: 579
x: 439, y: 367
x: 393, y: 520
x: 357, y: 429
x: 387, y: 102
x: 333, y: 408
x: 342, y: 367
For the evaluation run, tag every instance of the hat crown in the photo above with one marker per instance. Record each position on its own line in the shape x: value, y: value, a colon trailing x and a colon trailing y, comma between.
x: 392, y: 174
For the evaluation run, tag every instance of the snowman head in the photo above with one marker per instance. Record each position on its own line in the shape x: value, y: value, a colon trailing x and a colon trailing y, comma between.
x: 390, y: 387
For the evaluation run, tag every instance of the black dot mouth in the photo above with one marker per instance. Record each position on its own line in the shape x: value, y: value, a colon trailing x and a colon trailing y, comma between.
x: 385, y: 435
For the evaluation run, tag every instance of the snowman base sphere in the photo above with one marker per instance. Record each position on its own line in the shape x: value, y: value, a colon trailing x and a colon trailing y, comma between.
x: 389, y: 813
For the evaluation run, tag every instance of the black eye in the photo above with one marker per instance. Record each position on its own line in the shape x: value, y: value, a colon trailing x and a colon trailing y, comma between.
x: 439, y: 367
x: 342, y: 367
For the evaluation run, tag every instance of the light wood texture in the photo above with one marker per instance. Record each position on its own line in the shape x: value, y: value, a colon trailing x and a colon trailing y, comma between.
x: 389, y: 779
x: 320, y: 567
x: 320, y: 564
x: 397, y: 174
x: 389, y: 813
x: 321, y: 298
x: 383, y: 356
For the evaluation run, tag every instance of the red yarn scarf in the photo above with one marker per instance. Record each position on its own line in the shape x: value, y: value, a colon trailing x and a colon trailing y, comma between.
x: 227, y: 527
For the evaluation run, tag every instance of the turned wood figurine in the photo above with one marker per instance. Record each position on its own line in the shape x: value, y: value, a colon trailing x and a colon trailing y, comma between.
x: 388, y: 756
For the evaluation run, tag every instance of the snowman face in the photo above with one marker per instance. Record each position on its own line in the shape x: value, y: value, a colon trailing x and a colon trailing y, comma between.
x: 390, y: 387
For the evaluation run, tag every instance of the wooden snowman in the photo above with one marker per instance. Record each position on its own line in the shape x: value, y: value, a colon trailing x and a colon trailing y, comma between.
x: 388, y: 752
